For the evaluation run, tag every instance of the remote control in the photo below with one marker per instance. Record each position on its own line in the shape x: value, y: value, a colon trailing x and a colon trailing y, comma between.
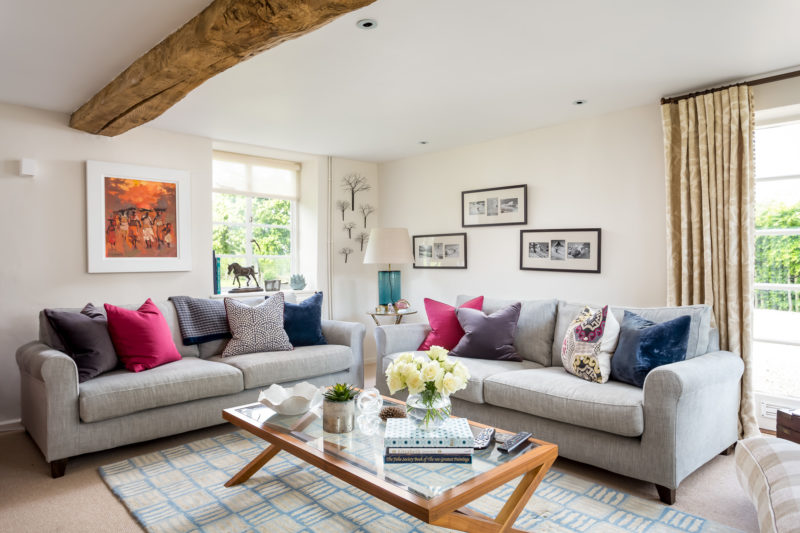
x: 484, y: 438
x: 514, y: 442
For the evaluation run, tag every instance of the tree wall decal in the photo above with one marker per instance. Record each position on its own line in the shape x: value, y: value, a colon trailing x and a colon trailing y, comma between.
x: 348, y: 227
x: 362, y: 238
x: 355, y: 183
x: 342, y: 206
x: 365, y: 210
x: 346, y: 253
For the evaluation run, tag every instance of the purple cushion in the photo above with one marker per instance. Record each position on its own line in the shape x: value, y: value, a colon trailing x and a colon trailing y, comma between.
x: 488, y: 337
x: 86, y: 339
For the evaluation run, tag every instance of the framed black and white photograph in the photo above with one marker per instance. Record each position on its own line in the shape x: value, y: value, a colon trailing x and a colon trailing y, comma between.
x: 446, y: 250
x: 560, y: 250
x: 499, y: 206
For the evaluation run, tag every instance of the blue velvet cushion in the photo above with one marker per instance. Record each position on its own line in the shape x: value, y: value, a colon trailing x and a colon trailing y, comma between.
x: 303, y: 321
x: 644, y: 345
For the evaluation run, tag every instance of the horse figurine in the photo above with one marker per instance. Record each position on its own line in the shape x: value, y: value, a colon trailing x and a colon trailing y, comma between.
x: 247, y: 272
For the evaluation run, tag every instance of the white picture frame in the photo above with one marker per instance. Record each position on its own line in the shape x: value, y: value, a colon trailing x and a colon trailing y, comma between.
x: 167, y: 248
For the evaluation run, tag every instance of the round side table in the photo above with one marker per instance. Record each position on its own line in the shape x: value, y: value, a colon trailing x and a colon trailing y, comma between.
x: 398, y: 317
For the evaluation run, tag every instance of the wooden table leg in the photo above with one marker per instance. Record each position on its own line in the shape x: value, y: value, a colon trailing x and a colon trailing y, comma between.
x: 253, y: 466
x: 468, y: 520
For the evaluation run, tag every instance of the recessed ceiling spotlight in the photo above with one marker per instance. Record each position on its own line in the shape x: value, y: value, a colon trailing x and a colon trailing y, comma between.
x: 423, y: 142
x: 579, y: 101
x: 367, y: 24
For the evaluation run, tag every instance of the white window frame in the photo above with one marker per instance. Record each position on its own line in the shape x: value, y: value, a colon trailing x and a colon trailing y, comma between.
x: 790, y: 287
x: 250, y: 256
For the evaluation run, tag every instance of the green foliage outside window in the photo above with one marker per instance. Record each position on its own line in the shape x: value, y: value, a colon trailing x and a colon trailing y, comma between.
x: 777, y: 257
x: 232, y: 235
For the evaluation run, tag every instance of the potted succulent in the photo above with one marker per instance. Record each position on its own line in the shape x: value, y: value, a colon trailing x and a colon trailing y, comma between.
x: 338, y: 408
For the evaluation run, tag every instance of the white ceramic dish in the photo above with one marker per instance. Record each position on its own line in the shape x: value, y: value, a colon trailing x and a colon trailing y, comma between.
x: 293, y: 400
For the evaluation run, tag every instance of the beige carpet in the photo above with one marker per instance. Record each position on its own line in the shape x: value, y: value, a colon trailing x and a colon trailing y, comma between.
x: 30, y: 501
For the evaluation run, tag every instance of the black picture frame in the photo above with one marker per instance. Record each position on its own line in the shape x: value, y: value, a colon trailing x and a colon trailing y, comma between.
x: 580, y: 250
x: 456, y: 241
x: 489, y: 207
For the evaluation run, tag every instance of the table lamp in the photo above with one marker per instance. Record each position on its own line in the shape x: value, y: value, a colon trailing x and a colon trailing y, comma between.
x: 388, y: 245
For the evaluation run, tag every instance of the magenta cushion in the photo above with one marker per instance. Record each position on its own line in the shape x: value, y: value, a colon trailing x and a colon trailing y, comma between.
x: 445, y: 329
x: 141, y: 338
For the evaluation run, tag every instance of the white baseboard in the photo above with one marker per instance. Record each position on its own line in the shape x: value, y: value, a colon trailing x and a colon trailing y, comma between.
x: 11, y: 425
x: 767, y: 406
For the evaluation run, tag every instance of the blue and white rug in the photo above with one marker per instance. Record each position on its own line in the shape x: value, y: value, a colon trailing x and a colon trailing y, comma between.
x: 182, y: 490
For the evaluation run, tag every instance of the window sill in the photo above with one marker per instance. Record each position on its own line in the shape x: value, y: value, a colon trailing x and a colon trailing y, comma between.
x: 301, y: 293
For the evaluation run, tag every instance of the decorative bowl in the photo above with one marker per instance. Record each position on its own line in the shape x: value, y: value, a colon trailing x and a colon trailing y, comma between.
x: 293, y: 400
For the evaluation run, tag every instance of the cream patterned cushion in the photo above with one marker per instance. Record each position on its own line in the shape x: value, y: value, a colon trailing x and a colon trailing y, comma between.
x: 589, y: 343
x: 769, y: 472
x: 256, y: 329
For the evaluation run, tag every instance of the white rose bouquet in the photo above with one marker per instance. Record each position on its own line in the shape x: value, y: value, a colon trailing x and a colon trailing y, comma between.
x: 433, y: 379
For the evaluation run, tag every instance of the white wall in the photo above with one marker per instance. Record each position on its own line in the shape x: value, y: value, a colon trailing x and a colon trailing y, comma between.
x: 354, y: 285
x: 43, y: 226
x: 605, y: 172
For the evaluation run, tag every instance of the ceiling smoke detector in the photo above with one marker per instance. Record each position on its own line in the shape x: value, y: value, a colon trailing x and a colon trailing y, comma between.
x: 367, y: 24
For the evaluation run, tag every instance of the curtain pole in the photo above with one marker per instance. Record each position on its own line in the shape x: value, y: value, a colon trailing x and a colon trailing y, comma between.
x: 759, y: 81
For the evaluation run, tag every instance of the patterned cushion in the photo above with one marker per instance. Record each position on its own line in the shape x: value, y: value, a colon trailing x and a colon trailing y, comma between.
x: 769, y: 471
x: 256, y: 329
x: 589, y: 343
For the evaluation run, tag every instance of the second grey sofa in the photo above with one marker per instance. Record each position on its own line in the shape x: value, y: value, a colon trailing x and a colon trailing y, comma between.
x: 686, y: 413
x: 67, y: 418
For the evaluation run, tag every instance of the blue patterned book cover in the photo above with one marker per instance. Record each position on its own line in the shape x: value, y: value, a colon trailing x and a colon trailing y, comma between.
x: 402, y: 432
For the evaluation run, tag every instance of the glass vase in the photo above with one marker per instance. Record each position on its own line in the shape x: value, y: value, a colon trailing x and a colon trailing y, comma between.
x: 428, y: 413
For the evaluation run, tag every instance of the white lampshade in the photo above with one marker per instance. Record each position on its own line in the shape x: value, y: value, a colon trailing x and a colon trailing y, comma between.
x: 389, y: 245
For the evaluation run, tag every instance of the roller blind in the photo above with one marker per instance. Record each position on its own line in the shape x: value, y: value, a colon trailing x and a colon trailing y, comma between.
x: 256, y: 176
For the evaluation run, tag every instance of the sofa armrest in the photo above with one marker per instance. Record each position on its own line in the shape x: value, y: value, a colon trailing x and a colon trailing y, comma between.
x: 691, y: 411
x: 399, y: 338
x: 47, y: 364
x: 692, y: 376
x: 49, y: 397
x: 348, y: 334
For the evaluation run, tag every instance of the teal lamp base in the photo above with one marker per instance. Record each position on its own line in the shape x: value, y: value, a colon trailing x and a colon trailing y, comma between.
x: 388, y: 286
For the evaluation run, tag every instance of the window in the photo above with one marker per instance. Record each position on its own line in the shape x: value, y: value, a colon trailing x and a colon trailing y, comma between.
x: 777, y: 261
x: 254, y: 215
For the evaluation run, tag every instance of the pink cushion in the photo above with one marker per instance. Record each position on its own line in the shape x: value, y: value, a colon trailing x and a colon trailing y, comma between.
x: 141, y: 338
x: 445, y: 329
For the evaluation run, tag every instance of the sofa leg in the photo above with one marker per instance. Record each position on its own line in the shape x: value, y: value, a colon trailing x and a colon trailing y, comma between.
x: 57, y: 468
x: 729, y: 450
x: 666, y: 495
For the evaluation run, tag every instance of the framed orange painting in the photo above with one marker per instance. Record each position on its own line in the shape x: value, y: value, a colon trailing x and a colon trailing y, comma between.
x: 137, y: 218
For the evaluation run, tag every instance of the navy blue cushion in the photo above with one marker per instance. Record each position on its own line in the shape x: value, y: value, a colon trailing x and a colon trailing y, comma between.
x: 644, y: 345
x: 303, y: 321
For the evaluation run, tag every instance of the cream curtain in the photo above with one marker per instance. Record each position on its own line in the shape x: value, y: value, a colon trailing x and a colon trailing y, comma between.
x: 708, y: 152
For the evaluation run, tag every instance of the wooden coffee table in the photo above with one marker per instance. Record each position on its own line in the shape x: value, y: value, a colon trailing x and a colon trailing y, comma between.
x: 420, y: 490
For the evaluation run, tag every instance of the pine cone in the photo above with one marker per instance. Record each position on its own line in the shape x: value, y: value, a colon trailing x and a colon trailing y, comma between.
x: 392, y: 412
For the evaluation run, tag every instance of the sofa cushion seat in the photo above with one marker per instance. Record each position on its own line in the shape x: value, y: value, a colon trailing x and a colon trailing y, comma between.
x: 552, y: 393
x: 479, y: 370
x: 121, y: 392
x: 261, y: 369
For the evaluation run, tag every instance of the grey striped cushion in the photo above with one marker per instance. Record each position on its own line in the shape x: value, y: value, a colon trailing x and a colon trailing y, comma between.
x: 769, y: 472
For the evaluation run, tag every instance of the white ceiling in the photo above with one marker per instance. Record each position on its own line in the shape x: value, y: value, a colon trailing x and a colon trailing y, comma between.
x: 451, y: 72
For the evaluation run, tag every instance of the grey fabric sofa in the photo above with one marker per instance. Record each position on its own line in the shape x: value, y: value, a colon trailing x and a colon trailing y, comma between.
x: 66, y: 418
x: 686, y: 413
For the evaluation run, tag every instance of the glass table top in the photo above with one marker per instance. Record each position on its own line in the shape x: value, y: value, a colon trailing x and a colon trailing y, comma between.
x: 363, y: 448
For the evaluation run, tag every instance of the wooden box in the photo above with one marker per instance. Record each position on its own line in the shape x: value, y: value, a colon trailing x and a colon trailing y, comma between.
x: 788, y: 426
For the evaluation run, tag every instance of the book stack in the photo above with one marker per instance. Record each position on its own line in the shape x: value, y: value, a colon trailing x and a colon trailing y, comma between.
x: 451, y: 443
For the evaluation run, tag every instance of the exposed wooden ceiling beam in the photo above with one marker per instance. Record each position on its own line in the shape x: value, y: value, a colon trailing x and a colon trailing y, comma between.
x: 225, y: 33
